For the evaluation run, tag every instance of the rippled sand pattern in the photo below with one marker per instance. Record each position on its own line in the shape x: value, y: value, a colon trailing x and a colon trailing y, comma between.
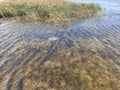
x: 81, y: 56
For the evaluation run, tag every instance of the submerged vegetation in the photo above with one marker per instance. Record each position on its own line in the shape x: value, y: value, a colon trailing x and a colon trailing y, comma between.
x: 85, y: 56
x: 64, y: 68
x: 47, y: 10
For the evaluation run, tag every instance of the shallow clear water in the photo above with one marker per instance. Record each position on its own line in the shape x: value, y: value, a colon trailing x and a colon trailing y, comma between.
x: 24, y: 45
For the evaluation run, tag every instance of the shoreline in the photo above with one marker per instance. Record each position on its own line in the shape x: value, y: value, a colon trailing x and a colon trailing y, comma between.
x: 59, y: 12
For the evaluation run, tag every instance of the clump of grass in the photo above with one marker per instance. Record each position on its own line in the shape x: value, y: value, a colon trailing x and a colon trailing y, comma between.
x: 48, y: 11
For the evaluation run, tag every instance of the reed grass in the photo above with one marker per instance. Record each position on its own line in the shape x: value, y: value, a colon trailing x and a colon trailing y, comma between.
x: 47, y: 10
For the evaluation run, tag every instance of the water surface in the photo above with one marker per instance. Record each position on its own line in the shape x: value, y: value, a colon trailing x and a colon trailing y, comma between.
x: 34, y: 55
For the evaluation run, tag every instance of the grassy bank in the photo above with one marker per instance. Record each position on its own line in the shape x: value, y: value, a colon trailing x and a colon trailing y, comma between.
x: 47, y: 10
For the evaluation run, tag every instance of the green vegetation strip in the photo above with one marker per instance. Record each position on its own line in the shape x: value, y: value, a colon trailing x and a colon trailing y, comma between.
x: 63, y: 11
